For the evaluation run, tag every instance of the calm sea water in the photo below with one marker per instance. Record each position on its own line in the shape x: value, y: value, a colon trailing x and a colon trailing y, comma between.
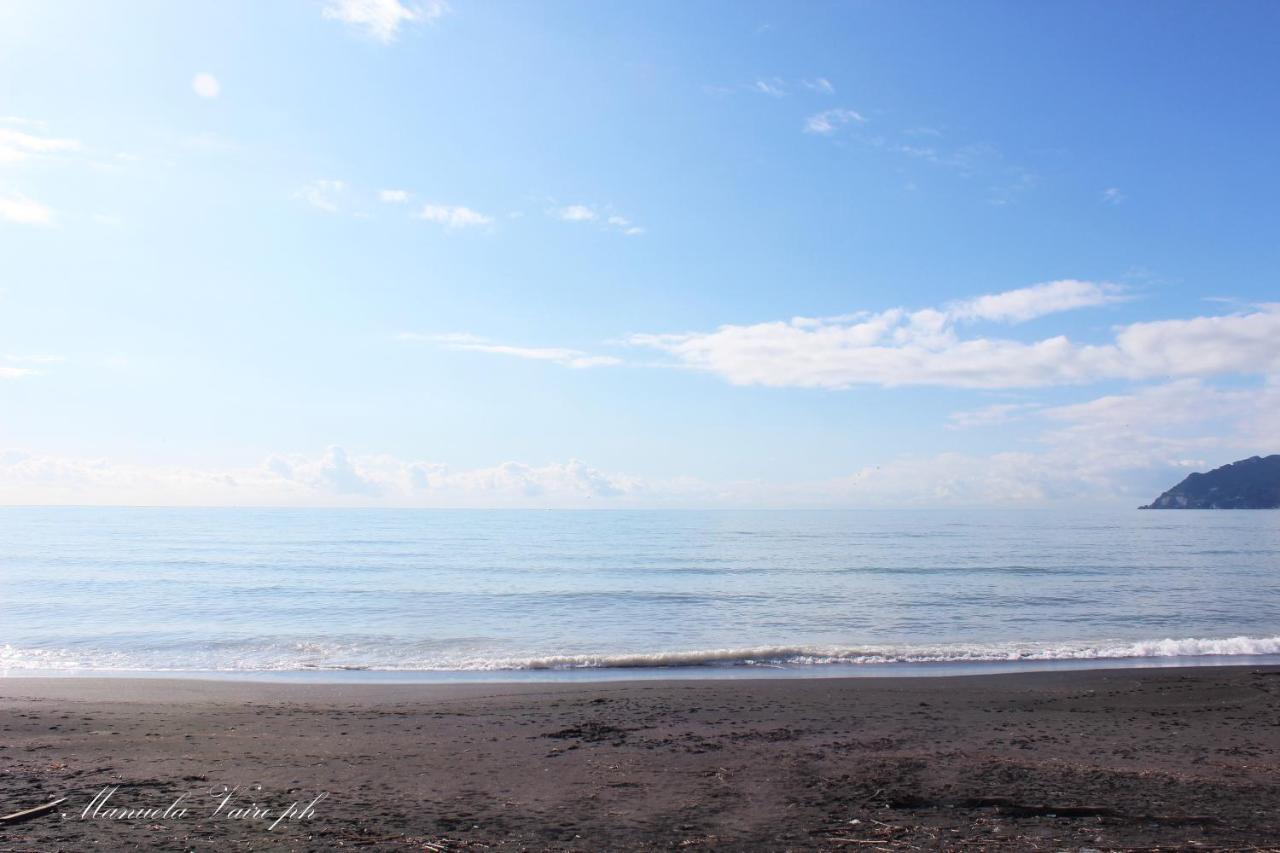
x: 281, y: 591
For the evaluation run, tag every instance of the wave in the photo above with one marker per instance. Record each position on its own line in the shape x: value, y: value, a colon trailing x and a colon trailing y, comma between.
x: 312, y: 656
x: 956, y: 653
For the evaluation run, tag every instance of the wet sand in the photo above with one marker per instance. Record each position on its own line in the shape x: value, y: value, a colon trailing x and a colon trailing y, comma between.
x: 1107, y: 759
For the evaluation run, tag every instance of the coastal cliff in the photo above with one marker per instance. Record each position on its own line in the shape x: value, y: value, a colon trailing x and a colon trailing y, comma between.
x: 1252, y: 483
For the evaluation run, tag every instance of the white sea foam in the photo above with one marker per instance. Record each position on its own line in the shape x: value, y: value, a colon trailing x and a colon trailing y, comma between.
x: 956, y: 653
x: 313, y: 656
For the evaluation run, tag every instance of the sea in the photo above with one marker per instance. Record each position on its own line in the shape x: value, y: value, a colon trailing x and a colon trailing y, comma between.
x: 449, y: 595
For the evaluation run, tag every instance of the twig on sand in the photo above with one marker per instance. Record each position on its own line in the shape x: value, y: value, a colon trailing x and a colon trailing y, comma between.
x: 367, y: 841
x: 27, y: 814
x: 876, y: 793
x: 1008, y: 807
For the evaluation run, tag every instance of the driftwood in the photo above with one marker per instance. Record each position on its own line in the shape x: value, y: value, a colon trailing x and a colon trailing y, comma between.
x: 1007, y: 806
x: 28, y: 814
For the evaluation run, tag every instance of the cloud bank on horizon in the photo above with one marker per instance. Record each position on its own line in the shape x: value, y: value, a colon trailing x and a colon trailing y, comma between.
x: 1082, y: 451
x: 415, y: 253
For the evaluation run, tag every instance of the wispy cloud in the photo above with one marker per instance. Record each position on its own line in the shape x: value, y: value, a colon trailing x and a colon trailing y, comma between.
x: 17, y: 145
x: 828, y: 121
x: 924, y: 347
x: 18, y: 366
x: 993, y: 415
x: 24, y: 211
x: 322, y: 194
x: 471, y: 343
x: 1009, y: 183
x: 602, y: 217
x: 774, y: 87
x: 23, y: 121
x: 453, y: 217
x: 39, y: 358
x: 626, y: 226
x: 985, y: 165
x: 1027, y: 303
x: 974, y: 161
x: 381, y: 19
x: 393, y: 196
x: 1112, y: 196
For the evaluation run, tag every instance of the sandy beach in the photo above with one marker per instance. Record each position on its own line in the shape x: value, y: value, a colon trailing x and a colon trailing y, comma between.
x: 1158, y: 758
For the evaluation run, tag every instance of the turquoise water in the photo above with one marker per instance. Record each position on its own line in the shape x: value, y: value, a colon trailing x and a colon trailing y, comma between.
x: 247, y: 591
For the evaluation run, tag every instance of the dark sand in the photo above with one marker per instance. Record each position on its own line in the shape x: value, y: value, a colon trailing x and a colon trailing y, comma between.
x: 1112, y: 759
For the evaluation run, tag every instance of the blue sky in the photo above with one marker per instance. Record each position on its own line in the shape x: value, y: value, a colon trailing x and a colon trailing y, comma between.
x: 659, y: 254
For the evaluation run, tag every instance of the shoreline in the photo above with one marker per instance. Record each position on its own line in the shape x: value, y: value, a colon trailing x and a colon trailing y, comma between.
x: 1102, y: 758
x: 650, y: 674
x: 161, y: 687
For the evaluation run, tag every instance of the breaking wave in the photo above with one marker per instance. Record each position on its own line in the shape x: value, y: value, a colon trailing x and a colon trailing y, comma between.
x: 313, y: 656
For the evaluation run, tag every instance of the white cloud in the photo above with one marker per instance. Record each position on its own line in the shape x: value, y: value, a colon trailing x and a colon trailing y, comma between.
x: 1159, y: 408
x: 1027, y: 303
x: 899, y: 347
x: 1112, y: 195
x: 14, y: 366
x: 205, y: 85
x: 393, y: 196
x: 993, y: 415
x: 322, y: 194
x: 16, y: 145
x: 381, y: 19
x: 576, y: 213
x: 773, y: 87
x: 332, y: 478
x: 1119, y: 448
x: 607, y: 221
x: 820, y: 84
x: 828, y: 121
x: 453, y: 217
x: 626, y: 226
x: 572, y: 480
x: 335, y: 471
x: 471, y: 343
x: 21, y: 121
x: 17, y: 366
x: 24, y: 211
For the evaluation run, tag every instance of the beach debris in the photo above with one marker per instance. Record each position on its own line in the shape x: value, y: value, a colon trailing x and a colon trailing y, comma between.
x: 591, y: 731
x: 1008, y: 807
x: 28, y: 814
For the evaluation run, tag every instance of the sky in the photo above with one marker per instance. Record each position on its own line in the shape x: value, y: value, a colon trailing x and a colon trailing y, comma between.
x: 659, y: 254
